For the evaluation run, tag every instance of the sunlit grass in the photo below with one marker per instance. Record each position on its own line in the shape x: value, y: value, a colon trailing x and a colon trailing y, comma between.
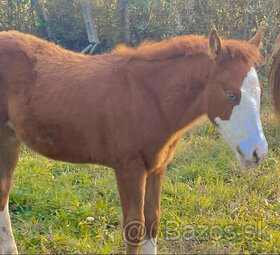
x: 210, y: 204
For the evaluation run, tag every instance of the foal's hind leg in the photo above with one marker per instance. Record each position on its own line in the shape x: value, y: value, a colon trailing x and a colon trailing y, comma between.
x: 9, y: 150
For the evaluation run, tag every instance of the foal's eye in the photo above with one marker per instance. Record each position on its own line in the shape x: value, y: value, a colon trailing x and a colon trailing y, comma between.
x: 232, y: 97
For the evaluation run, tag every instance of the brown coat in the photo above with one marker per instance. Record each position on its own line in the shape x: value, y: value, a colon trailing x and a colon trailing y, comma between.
x: 126, y: 109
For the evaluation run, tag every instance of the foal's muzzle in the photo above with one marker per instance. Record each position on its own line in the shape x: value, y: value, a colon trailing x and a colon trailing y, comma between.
x: 252, y: 153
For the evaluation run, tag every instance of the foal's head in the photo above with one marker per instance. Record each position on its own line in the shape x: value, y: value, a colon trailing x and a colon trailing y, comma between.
x: 233, y: 97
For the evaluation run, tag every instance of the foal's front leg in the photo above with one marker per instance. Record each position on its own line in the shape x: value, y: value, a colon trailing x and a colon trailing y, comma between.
x: 131, y: 185
x: 152, y: 209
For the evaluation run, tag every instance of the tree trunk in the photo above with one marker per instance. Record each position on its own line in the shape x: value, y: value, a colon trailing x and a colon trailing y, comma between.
x: 42, y: 13
x: 246, y: 29
x: 125, y: 18
x: 10, y: 8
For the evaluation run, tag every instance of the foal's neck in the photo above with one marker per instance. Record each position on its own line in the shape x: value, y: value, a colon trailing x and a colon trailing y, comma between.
x: 180, y: 86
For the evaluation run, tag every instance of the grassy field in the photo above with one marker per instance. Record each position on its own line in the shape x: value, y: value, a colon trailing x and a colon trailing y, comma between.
x: 209, y: 203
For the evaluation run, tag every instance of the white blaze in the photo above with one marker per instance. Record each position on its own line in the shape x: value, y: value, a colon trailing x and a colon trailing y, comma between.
x: 244, y: 128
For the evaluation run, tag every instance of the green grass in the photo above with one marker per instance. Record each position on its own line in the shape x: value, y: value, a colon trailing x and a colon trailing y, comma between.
x: 209, y: 203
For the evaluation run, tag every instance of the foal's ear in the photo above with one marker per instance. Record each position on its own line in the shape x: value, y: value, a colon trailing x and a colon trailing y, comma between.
x: 256, y: 40
x: 214, y: 44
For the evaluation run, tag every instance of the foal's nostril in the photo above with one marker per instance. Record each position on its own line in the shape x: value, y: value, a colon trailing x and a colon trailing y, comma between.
x: 256, y: 157
x: 239, y: 150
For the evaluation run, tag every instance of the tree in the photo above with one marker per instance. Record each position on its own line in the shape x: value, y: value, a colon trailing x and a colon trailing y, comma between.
x: 125, y: 19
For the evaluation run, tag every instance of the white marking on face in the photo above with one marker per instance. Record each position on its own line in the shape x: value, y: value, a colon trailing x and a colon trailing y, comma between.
x: 150, y: 246
x: 7, y: 242
x: 244, y: 128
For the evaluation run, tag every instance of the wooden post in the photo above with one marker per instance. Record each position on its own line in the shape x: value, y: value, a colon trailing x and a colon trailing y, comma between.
x: 90, y: 27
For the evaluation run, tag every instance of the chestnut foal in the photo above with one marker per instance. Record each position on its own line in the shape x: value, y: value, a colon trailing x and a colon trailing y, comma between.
x: 127, y: 110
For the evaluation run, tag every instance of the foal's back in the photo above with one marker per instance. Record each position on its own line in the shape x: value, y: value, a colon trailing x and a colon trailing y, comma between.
x: 63, y: 105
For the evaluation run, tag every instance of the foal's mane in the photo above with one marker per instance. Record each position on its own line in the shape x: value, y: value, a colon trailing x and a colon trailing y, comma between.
x: 188, y: 45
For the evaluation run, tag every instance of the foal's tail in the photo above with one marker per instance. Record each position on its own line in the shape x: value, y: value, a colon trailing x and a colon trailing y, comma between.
x: 274, y: 74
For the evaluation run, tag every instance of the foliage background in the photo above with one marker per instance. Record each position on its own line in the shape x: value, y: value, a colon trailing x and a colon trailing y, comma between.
x: 148, y: 19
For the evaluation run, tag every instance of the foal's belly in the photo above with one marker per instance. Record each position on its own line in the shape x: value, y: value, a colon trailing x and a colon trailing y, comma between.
x: 53, y: 140
x: 50, y: 142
